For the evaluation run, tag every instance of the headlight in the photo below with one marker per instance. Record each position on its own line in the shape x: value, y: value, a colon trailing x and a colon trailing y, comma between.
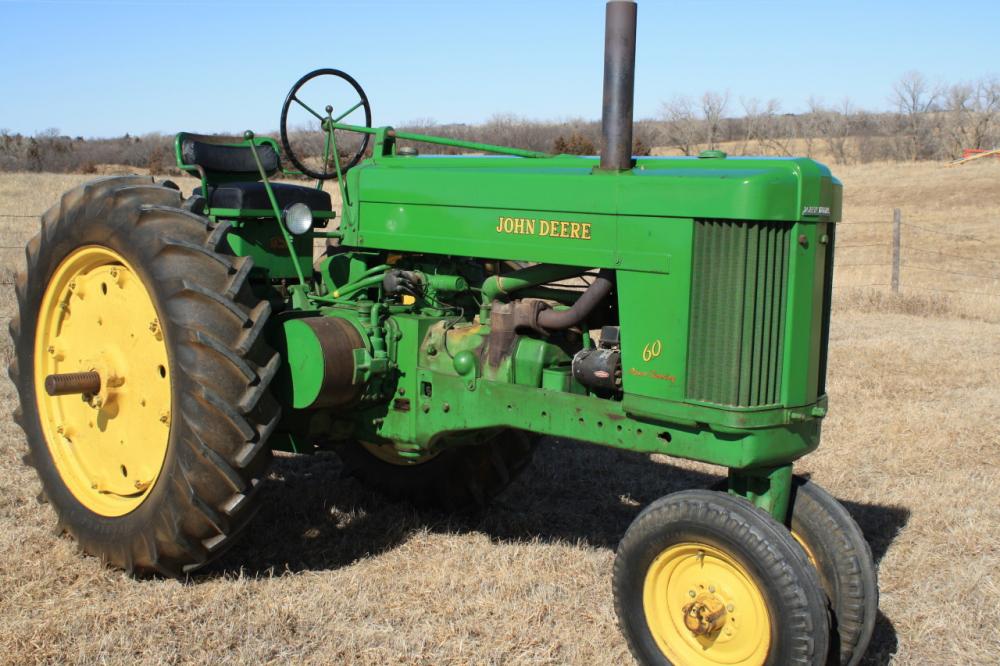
x: 298, y: 218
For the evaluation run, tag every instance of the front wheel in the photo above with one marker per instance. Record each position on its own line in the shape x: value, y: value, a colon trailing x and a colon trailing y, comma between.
x: 702, y: 578
x: 837, y: 548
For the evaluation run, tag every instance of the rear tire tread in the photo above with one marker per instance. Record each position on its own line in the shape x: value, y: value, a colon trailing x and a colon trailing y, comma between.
x: 191, y: 511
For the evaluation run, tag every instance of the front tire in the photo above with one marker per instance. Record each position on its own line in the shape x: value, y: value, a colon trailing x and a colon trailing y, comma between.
x: 157, y: 471
x: 704, y: 578
x: 838, y: 549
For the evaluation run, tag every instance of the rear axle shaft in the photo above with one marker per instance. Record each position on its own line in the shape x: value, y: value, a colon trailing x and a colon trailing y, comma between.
x: 71, y: 383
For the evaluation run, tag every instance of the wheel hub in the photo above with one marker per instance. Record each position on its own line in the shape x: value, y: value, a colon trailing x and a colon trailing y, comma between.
x: 705, y: 615
x: 703, y: 607
x: 100, y: 348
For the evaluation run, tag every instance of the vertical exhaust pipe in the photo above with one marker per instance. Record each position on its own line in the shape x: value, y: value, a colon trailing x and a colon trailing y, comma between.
x: 619, y: 84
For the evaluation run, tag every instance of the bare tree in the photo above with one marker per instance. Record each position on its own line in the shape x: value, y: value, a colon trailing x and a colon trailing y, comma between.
x: 971, y: 112
x: 713, y: 110
x: 833, y: 125
x: 682, y: 127
x: 915, y: 99
x: 763, y: 129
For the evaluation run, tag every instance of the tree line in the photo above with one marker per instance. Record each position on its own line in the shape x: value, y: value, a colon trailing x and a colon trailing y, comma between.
x: 926, y: 122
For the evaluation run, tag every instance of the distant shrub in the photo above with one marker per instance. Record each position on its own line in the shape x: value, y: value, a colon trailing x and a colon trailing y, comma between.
x: 577, y: 144
x: 155, y: 162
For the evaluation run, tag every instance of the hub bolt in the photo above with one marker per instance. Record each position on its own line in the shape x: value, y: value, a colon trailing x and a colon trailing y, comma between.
x: 72, y: 382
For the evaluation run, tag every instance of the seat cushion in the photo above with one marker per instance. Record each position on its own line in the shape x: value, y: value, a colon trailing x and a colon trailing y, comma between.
x: 254, y: 196
x: 227, y: 155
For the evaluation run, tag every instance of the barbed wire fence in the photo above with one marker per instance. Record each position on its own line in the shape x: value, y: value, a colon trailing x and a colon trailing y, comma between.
x: 974, y: 278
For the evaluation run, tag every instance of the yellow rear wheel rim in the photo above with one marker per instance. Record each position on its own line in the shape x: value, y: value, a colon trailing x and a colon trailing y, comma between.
x: 687, y: 572
x: 97, y: 315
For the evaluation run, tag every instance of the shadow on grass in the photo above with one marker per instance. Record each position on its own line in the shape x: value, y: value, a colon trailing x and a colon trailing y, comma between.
x: 314, y: 518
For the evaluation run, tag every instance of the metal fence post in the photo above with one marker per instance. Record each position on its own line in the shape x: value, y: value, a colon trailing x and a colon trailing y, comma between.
x: 897, y: 222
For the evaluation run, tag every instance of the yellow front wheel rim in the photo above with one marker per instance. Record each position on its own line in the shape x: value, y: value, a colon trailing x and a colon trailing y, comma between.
x: 97, y: 316
x: 805, y: 547
x: 689, y: 577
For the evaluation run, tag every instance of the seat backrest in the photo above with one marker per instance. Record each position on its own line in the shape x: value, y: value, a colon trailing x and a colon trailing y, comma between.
x: 225, y: 158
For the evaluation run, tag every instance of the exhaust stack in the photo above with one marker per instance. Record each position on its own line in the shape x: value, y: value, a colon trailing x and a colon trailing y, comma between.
x: 619, y: 85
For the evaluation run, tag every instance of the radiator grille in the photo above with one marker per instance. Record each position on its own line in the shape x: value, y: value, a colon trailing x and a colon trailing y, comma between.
x: 738, y: 303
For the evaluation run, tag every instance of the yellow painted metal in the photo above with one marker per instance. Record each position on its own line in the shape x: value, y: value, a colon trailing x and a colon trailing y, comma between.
x: 691, y: 576
x: 805, y: 547
x: 96, y: 315
x: 387, y: 453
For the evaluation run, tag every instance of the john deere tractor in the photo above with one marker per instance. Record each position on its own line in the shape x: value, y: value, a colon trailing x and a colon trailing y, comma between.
x: 462, y: 307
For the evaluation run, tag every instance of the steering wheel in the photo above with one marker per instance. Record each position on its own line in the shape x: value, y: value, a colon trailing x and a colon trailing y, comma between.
x: 323, y: 120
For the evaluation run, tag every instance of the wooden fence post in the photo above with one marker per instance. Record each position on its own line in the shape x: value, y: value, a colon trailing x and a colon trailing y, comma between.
x: 897, y: 222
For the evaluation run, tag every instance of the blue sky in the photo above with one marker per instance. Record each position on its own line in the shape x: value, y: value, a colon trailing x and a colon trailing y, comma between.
x: 106, y: 67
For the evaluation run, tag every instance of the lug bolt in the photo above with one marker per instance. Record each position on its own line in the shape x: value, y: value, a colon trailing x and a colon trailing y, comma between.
x: 730, y: 607
x: 426, y: 408
x: 61, y: 430
x: 446, y: 407
x: 691, y: 594
x: 51, y: 350
x: 164, y: 417
x: 711, y: 588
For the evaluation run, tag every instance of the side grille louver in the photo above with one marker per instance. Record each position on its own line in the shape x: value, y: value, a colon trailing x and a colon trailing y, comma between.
x: 738, y: 303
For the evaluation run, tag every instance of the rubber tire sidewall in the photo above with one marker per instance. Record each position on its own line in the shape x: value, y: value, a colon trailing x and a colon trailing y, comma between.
x: 845, y: 562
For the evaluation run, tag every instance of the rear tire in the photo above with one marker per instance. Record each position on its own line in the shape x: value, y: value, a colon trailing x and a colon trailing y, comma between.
x: 219, y: 413
x: 458, y: 478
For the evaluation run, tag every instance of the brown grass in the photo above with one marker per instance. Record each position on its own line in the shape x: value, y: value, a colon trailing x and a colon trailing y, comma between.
x: 332, y: 573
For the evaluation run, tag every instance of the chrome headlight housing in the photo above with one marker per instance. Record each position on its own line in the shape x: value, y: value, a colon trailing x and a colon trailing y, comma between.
x: 298, y: 218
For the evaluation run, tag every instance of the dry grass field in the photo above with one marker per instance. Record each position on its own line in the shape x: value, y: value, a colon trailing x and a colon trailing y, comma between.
x: 332, y: 573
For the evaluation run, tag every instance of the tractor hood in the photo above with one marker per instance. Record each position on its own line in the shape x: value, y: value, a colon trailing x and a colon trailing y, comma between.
x: 717, y: 187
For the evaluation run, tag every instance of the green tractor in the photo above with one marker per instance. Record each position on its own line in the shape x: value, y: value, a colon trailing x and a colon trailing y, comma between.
x: 463, y: 307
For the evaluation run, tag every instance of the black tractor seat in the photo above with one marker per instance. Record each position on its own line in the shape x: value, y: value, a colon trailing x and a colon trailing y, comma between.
x: 230, y: 173
x: 253, y: 195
